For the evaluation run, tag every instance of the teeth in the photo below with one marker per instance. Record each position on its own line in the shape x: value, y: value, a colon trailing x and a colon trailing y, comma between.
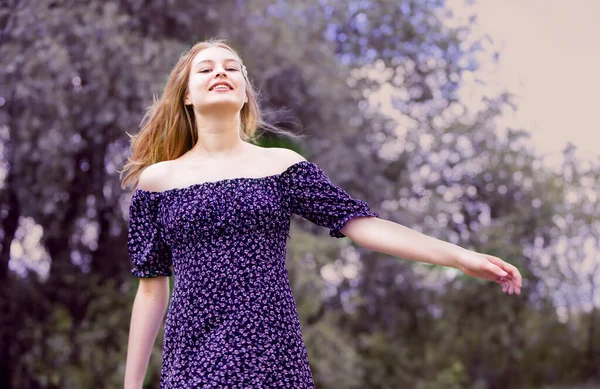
x: 221, y: 87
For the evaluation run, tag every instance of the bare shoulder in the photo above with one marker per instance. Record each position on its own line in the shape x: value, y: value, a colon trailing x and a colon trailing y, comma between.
x: 286, y: 157
x: 153, y: 177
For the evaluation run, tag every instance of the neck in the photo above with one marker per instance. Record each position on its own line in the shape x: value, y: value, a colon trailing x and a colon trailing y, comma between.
x: 218, y: 135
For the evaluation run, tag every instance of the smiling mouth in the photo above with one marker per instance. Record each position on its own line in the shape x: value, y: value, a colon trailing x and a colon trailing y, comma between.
x: 221, y: 88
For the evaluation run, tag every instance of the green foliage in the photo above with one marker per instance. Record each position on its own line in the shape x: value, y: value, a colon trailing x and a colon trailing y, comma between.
x: 453, y: 376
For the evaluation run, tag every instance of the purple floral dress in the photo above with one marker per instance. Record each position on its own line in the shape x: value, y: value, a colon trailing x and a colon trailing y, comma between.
x: 232, y: 320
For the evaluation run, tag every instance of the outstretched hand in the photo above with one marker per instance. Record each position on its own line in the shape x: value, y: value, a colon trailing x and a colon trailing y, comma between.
x: 491, y: 268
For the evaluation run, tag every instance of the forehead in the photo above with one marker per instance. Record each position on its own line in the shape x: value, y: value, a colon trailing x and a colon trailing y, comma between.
x: 215, y: 54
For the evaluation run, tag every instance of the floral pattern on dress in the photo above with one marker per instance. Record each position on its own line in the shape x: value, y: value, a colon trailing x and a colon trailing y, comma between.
x: 232, y: 320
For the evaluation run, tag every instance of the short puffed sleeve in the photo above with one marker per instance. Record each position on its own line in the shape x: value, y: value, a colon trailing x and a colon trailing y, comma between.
x: 150, y: 255
x: 313, y: 196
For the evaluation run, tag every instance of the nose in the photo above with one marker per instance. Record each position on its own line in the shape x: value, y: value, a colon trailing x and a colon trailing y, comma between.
x: 221, y: 72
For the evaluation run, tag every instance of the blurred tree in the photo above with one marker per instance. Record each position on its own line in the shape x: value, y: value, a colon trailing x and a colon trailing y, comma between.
x: 572, y: 256
x: 78, y: 75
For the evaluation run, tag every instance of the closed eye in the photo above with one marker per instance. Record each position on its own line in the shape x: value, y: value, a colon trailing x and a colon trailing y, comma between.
x: 208, y: 70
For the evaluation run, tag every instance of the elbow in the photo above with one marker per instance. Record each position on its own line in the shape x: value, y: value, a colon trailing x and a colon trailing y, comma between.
x: 155, y: 289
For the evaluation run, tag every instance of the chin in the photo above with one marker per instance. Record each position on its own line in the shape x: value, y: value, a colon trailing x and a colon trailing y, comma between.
x: 223, y: 106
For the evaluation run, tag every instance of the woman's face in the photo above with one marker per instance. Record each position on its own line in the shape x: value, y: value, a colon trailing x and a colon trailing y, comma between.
x: 216, y: 82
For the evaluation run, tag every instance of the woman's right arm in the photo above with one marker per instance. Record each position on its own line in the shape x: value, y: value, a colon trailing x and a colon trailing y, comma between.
x: 149, y: 306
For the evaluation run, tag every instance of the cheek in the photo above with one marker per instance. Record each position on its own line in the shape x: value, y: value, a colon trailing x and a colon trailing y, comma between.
x: 242, y: 87
x: 196, y: 88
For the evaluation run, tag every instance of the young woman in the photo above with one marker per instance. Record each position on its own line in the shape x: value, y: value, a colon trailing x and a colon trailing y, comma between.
x: 217, y: 208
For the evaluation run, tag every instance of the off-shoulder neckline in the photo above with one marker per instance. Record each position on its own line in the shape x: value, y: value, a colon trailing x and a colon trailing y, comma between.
x: 222, y: 181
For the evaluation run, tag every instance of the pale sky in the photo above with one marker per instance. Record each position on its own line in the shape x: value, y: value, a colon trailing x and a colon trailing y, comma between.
x: 549, y: 57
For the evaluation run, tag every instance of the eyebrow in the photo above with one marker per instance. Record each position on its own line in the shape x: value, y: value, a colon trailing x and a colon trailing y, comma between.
x: 211, y: 61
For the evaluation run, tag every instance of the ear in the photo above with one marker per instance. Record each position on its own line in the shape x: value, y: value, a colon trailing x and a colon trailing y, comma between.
x: 187, y: 100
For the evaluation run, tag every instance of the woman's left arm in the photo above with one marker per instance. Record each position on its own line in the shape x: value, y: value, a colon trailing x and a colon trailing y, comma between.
x: 394, y: 239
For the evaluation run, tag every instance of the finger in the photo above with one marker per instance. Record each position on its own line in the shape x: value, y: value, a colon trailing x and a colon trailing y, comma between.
x: 514, y: 273
x: 494, y: 269
x: 508, y: 285
x: 516, y: 288
x: 499, y: 262
x: 517, y: 276
x: 510, y: 269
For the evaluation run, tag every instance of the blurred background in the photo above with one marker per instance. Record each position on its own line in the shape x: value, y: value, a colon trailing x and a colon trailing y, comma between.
x: 471, y: 121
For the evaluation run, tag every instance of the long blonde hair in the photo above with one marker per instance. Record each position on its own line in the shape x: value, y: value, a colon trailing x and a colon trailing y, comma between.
x: 168, y: 129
